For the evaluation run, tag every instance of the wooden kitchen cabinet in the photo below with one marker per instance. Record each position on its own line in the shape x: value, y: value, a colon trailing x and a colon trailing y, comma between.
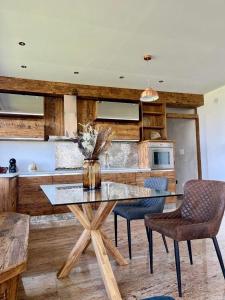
x: 22, y: 127
x: 31, y: 199
x: 8, y: 194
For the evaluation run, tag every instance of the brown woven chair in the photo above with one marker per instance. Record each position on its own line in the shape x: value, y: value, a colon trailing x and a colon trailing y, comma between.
x: 198, y: 217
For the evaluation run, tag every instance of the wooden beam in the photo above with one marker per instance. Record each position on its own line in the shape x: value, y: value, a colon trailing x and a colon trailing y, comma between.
x: 198, y: 145
x: 40, y: 87
x: 181, y: 116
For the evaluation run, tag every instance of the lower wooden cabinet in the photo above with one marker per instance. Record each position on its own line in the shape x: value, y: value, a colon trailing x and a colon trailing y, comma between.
x: 32, y: 201
x: 8, y: 194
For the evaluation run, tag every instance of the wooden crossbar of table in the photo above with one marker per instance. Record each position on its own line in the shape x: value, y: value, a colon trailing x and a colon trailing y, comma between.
x: 92, y: 223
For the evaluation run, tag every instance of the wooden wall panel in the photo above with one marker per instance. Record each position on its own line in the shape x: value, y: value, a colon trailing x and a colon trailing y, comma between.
x: 40, y: 87
x: 54, y: 116
x: 85, y: 111
x: 22, y: 127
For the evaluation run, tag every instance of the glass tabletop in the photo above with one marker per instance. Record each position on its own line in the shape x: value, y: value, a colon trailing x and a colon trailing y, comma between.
x: 66, y: 194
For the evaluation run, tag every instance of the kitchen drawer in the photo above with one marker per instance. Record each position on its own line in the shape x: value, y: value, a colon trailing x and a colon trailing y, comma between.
x: 57, y: 179
x: 33, y: 202
x: 33, y: 183
x: 35, y: 209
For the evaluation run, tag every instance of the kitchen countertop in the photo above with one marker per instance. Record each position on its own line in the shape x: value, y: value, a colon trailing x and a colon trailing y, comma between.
x: 79, y: 172
x: 8, y: 175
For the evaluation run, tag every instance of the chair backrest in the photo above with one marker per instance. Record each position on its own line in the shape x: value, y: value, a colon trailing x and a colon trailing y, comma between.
x: 204, y: 200
x: 156, y: 183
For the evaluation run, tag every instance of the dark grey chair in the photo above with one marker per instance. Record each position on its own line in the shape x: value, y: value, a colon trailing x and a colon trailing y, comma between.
x: 138, y: 209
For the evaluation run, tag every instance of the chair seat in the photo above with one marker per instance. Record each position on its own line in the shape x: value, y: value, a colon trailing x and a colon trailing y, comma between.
x: 134, y: 212
x: 178, y: 229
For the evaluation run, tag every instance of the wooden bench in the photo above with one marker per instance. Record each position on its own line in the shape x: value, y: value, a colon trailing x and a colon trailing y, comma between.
x: 14, y: 233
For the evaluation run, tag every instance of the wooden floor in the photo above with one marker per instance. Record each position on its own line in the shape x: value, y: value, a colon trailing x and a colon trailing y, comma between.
x: 51, y: 239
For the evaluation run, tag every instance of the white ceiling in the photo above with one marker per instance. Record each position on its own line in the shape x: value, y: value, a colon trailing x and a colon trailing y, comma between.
x: 103, y: 39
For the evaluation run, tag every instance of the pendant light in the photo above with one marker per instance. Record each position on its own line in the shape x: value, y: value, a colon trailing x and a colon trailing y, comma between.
x: 149, y: 95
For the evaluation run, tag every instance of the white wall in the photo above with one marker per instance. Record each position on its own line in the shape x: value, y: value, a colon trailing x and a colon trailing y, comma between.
x: 183, y: 133
x: 212, y: 133
x: 42, y: 153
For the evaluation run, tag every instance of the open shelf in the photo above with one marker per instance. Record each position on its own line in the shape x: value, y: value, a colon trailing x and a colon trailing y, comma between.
x: 153, y: 127
x: 153, y: 120
x: 156, y: 113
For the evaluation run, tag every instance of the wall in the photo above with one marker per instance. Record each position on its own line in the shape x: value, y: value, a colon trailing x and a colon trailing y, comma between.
x: 212, y: 132
x: 182, y: 131
x: 51, y: 155
x: 26, y: 152
x: 121, y: 154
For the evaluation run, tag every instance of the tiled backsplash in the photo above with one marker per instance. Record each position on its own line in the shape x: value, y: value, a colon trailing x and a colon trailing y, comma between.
x: 121, y: 154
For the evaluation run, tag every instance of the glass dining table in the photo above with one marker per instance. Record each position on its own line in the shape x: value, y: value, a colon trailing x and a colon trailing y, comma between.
x: 80, y: 201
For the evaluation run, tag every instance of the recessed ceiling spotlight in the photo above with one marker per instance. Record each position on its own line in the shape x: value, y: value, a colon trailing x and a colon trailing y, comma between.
x: 22, y: 43
x: 160, y: 81
x: 23, y: 66
x: 76, y: 73
x: 147, y: 57
x: 121, y: 77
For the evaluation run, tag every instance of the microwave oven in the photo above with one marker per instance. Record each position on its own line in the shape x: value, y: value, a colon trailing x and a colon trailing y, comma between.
x: 161, y: 155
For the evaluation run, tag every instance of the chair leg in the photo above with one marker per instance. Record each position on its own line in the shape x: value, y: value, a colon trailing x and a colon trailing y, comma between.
x: 217, y: 248
x: 147, y: 233
x: 150, y: 245
x: 165, y: 243
x: 115, y: 228
x: 190, y: 252
x: 129, y: 238
x: 177, y: 260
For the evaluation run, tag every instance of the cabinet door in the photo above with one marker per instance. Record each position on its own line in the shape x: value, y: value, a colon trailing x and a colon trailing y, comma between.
x: 31, y: 198
x: 13, y: 193
x: 8, y: 194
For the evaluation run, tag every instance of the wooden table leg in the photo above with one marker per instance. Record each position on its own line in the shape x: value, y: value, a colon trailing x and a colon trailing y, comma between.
x: 105, y: 267
x: 113, y: 250
x: 92, y: 224
x: 75, y: 254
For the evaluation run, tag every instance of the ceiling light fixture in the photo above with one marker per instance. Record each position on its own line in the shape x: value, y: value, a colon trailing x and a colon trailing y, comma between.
x: 23, y: 66
x: 22, y: 43
x: 149, y: 95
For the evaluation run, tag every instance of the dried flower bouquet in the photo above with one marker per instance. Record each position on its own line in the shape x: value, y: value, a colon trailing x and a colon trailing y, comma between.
x: 92, y: 142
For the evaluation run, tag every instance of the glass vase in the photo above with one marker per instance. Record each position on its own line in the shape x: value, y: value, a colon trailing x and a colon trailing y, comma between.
x: 91, y: 174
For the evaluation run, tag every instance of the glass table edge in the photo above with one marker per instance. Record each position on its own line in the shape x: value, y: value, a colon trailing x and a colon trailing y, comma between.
x: 172, y: 194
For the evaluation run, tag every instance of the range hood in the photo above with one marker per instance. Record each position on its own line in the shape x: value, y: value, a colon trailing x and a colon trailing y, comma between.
x: 70, y: 119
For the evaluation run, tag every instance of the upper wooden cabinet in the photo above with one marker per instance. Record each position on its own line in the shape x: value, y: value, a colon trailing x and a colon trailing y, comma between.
x: 54, y: 116
x: 122, y: 130
x: 153, y: 120
x: 21, y: 127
